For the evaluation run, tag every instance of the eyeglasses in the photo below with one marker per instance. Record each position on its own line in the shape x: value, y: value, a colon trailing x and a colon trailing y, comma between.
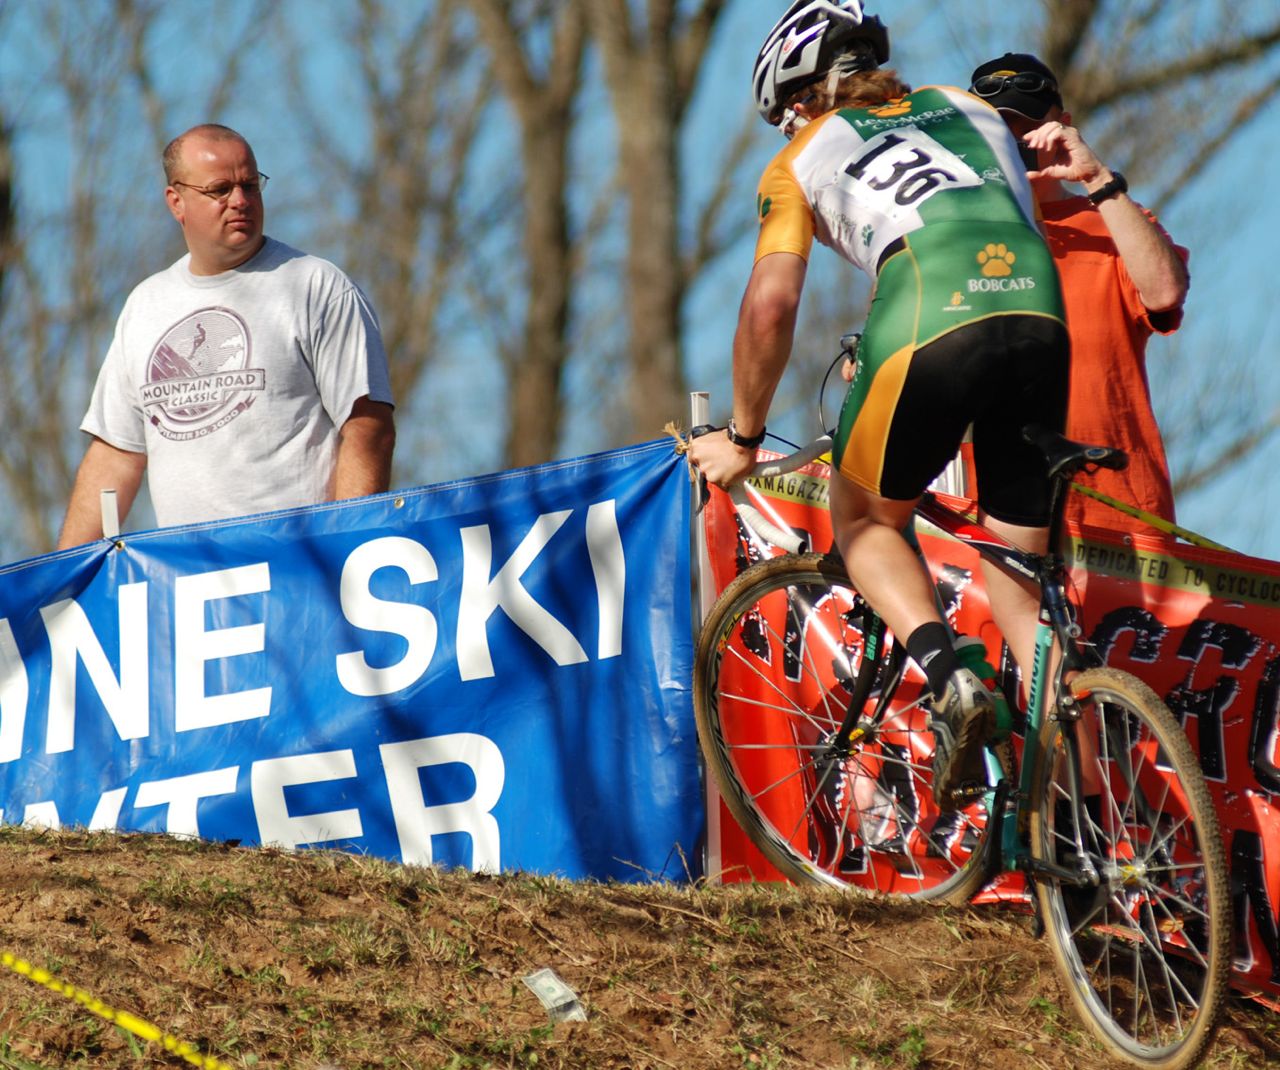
x: 221, y: 191
x: 990, y: 85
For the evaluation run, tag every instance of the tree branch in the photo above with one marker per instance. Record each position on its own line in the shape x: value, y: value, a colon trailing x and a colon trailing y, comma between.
x: 1207, y: 151
x: 1230, y: 53
x: 1227, y: 457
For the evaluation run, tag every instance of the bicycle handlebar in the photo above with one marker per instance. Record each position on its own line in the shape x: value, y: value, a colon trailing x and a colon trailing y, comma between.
x: 785, y: 538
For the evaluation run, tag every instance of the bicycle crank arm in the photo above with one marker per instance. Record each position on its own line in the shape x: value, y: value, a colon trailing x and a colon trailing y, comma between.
x: 1074, y: 877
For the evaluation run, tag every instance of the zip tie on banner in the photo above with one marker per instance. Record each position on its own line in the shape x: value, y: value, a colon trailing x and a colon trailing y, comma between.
x: 139, y: 1027
x: 1157, y: 522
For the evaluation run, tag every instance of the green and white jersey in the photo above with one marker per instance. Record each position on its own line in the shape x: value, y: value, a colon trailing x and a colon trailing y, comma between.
x: 936, y: 174
x: 860, y: 179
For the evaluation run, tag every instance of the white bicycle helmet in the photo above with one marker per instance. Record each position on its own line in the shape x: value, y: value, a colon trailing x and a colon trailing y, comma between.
x: 807, y: 41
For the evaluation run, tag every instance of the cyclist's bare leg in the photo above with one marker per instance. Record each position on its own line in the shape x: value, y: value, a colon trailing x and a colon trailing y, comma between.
x: 881, y: 563
x: 1015, y: 601
x: 886, y: 570
x: 1015, y: 607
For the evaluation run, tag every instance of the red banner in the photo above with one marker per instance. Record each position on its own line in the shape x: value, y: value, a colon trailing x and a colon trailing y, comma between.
x: 1202, y: 627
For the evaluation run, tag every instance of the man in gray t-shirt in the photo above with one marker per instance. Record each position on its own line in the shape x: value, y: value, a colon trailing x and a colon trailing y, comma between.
x: 248, y: 376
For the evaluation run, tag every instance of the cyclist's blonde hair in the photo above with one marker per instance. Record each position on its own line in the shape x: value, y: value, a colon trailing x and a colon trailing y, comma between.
x: 861, y: 89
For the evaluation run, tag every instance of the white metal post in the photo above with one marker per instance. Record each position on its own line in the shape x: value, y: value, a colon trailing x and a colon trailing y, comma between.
x: 110, y: 514
x: 704, y: 593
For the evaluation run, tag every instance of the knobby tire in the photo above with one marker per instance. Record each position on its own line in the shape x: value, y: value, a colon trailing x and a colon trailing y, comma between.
x: 1148, y: 951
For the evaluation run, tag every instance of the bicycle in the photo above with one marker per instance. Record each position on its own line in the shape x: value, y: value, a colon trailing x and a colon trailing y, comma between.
x: 819, y: 743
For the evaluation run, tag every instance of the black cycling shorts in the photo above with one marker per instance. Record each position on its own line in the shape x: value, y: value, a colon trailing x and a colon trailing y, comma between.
x: 998, y: 374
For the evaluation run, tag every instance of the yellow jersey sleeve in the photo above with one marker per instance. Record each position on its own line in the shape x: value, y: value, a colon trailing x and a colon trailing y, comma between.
x: 786, y: 219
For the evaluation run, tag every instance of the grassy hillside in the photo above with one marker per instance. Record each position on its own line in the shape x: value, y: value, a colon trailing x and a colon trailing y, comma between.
x: 265, y: 959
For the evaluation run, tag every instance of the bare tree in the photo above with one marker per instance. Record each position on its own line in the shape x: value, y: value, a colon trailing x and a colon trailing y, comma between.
x: 7, y: 206
x: 651, y: 64
x: 453, y: 154
x: 540, y: 96
x: 393, y: 206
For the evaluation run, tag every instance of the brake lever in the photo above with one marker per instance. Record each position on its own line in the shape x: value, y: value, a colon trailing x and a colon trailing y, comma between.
x: 704, y: 491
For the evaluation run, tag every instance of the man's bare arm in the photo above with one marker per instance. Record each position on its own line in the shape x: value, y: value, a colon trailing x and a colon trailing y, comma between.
x: 761, y: 349
x: 1150, y: 258
x: 366, y: 443
x: 104, y: 467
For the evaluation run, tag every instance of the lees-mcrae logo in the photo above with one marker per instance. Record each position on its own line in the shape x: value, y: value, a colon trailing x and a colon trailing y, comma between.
x: 893, y: 108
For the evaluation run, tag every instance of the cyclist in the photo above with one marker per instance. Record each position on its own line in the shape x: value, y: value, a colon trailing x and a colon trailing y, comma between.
x: 926, y: 192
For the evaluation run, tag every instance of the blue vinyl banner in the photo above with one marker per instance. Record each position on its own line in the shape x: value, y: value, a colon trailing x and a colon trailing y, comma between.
x: 492, y: 673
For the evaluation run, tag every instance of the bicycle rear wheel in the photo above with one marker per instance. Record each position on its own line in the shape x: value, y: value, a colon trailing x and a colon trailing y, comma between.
x: 1147, y: 952
x: 778, y: 661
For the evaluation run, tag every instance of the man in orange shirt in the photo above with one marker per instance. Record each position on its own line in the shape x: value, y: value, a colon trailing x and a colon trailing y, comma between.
x: 1123, y: 279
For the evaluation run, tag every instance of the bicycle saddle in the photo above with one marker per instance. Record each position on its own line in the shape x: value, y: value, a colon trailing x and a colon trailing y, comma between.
x: 1065, y: 457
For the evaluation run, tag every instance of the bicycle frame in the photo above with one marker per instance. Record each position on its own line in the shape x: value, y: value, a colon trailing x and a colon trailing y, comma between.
x: 1046, y: 696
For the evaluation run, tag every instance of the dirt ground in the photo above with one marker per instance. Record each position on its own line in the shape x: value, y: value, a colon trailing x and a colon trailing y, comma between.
x: 318, y: 960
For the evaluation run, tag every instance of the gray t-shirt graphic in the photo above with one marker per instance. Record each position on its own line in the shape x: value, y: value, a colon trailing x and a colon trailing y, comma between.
x: 235, y: 385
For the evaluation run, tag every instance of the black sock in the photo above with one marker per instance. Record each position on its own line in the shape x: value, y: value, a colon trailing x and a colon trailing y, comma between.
x: 930, y: 648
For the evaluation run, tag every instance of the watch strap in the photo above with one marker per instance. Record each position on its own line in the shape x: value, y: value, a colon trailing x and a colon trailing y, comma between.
x: 747, y: 442
x: 1118, y: 184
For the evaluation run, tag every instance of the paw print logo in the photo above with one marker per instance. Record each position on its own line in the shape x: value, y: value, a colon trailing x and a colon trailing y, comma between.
x: 892, y: 108
x: 867, y: 234
x: 997, y: 260
x: 957, y: 298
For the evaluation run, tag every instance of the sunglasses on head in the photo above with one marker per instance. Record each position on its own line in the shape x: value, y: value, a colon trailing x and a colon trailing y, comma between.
x: 990, y: 85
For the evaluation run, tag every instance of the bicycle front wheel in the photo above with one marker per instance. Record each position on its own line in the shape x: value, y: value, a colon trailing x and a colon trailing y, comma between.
x: 778, y: 662
x: 1147, y: 949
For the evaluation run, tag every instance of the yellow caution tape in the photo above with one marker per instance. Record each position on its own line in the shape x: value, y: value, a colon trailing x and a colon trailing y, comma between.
x: 139, y: 1027
x: 1157, y: 522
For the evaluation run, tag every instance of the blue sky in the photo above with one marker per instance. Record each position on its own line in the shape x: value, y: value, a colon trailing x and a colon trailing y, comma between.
x: 1229, y: 220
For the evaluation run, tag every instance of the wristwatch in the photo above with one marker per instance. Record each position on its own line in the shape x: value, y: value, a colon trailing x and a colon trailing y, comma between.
x: 747, y: 442
x: 1118, y: 184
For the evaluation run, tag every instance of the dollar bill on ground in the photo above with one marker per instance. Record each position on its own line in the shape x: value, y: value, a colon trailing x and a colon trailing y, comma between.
x: 560, y: 1000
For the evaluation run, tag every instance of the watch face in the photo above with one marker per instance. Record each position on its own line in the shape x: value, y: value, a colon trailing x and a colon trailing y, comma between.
x: 739, y: 439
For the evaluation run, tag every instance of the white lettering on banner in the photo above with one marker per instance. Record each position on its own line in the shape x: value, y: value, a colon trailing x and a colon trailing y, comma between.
x: 14, y: 692
x: 42, y: 815
x: 71, y: 637
x: 194, y: 647
x: 416, y: 624
x: 482, y: 595
x: 106, y: 815
x: 486, y: 587
x: 609, y: 566
x: 276, y: 827
x: 416, y: 822
x: 182, y: 794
